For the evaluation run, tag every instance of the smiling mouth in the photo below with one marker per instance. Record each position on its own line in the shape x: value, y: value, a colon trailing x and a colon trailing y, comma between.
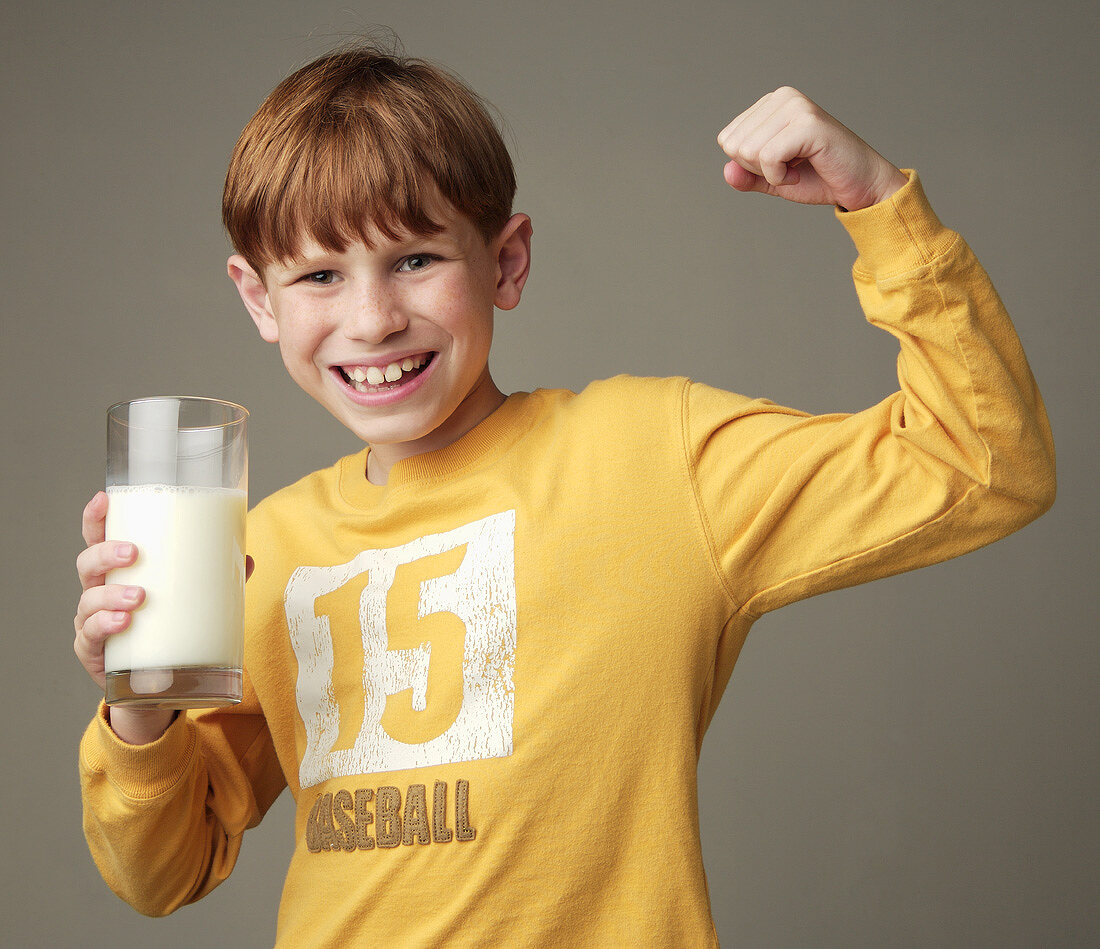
x: 381, y: 378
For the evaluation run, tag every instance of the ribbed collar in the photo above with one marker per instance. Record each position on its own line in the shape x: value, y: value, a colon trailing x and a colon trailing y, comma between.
x: 481, y: 445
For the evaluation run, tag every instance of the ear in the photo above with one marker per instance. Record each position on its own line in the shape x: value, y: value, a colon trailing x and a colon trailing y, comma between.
x: 513, y: 245
x: 255, y: 297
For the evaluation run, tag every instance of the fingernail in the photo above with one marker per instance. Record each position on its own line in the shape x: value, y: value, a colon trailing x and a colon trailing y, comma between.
x: 124, y: 550
x: 121, y: 617
x: 131, y: 594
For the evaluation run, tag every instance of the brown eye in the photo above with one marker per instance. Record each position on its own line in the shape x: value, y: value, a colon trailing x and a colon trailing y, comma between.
x: 416, y: 262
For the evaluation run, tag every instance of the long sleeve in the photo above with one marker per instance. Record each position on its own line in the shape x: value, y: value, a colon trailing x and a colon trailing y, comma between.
x: 959, y: 456
x: 164, y: 821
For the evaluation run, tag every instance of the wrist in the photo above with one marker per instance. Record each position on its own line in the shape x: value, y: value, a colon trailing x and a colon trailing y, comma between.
x: 893, y: 181
x: 139, y: 726
x: 898, y: 235
x: 896, y: 180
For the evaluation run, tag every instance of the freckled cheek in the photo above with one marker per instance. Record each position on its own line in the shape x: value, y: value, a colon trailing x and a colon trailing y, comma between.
x: 299, y: 347
x: 463, y: 309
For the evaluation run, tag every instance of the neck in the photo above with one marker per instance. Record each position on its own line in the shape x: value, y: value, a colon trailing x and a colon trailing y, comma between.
x: 481, y: 402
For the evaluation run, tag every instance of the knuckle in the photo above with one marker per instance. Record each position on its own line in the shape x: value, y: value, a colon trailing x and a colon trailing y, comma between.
x: 86, y: 606
x: 771, y: 153
x: 84, y: 641
x: 88, y: 570
x: 95, y: 629
x: 805, y: 118
x: 87, y: 631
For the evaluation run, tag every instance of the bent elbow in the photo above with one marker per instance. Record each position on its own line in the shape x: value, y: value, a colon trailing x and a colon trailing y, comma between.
x: 155, y: 905
x: 1036, y: 484
x: 1046, y: 489
x: 1025, y: 496
x: 151, y: 909
x: 1022, y: 470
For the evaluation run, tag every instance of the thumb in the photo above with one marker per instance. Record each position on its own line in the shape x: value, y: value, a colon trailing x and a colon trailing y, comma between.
x: 740, y: 178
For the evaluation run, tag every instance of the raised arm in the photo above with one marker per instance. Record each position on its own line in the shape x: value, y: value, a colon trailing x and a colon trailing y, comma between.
x: 958, y: 457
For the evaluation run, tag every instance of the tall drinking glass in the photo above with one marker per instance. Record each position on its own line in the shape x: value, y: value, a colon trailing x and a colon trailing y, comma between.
x: 177, y: 483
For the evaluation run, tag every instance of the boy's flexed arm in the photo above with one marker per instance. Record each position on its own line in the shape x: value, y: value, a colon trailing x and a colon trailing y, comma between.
x: 960, y: 456
x: 787, y: 146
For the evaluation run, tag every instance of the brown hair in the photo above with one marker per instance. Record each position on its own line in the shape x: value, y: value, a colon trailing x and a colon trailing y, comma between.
x: 363, y: 139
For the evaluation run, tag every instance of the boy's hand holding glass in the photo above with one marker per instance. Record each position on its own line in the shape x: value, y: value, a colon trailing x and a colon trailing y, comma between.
x: 159, y: 625
x: 104, y: 609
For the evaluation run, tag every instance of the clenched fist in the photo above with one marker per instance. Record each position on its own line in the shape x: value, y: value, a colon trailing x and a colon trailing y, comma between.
x: 787, y: 146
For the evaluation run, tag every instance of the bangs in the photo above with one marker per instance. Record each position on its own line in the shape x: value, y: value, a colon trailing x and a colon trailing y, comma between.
x: 339, y: 159
x: 350, y: 185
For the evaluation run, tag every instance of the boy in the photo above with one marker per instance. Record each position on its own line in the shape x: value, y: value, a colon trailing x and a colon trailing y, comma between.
x: 483, y: 652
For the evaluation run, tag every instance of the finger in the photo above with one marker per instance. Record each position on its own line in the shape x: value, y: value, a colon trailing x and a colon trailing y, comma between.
x: 92, y: 563
x: 774, y: 139
x: 92, y: 633
x: 731, y: 130
x: 758, y: 112
x: 111, y: 597
x: 93, y: 522
x: 89, y: 642
x: 740, y: 178
x: 794, y: 143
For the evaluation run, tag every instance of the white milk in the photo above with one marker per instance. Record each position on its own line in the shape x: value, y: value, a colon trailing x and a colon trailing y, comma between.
x: 190, y: 561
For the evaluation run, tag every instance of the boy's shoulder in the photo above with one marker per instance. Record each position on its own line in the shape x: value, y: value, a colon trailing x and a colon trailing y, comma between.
x: 626, y: 417
x: 625, y: 393
x: 616, y: 404
x: 651, y: 401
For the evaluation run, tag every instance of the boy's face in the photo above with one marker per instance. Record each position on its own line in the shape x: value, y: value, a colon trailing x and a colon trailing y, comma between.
x: 394, y: 341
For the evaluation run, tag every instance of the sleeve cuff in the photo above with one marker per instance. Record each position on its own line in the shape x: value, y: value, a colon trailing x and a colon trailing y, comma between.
x: 139, y: 771
x: 899, y: 234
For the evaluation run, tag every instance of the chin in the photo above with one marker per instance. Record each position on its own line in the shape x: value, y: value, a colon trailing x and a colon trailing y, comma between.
x: 391, y: 434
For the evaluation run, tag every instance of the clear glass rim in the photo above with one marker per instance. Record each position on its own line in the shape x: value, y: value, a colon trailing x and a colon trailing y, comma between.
x: 241, y: 410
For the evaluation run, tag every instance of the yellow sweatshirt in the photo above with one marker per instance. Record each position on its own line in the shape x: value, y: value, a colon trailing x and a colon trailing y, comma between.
x: 487, y: 682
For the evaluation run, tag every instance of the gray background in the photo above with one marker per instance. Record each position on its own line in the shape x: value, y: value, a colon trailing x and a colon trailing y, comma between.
x: 911, y: 763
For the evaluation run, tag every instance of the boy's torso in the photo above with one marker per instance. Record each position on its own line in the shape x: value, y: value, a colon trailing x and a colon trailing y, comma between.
x: 473, y: 679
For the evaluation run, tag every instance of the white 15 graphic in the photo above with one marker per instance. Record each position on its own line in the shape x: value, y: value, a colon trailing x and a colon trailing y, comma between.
x: 481, y: 593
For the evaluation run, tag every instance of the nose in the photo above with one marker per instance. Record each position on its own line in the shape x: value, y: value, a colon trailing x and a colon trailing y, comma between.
x: 375, y: 315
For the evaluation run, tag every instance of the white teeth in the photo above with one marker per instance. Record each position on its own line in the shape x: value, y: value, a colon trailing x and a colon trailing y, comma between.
x: 377, y: 375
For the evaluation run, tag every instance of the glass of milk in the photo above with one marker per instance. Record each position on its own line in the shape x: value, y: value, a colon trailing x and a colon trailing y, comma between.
x: 177, y: 481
